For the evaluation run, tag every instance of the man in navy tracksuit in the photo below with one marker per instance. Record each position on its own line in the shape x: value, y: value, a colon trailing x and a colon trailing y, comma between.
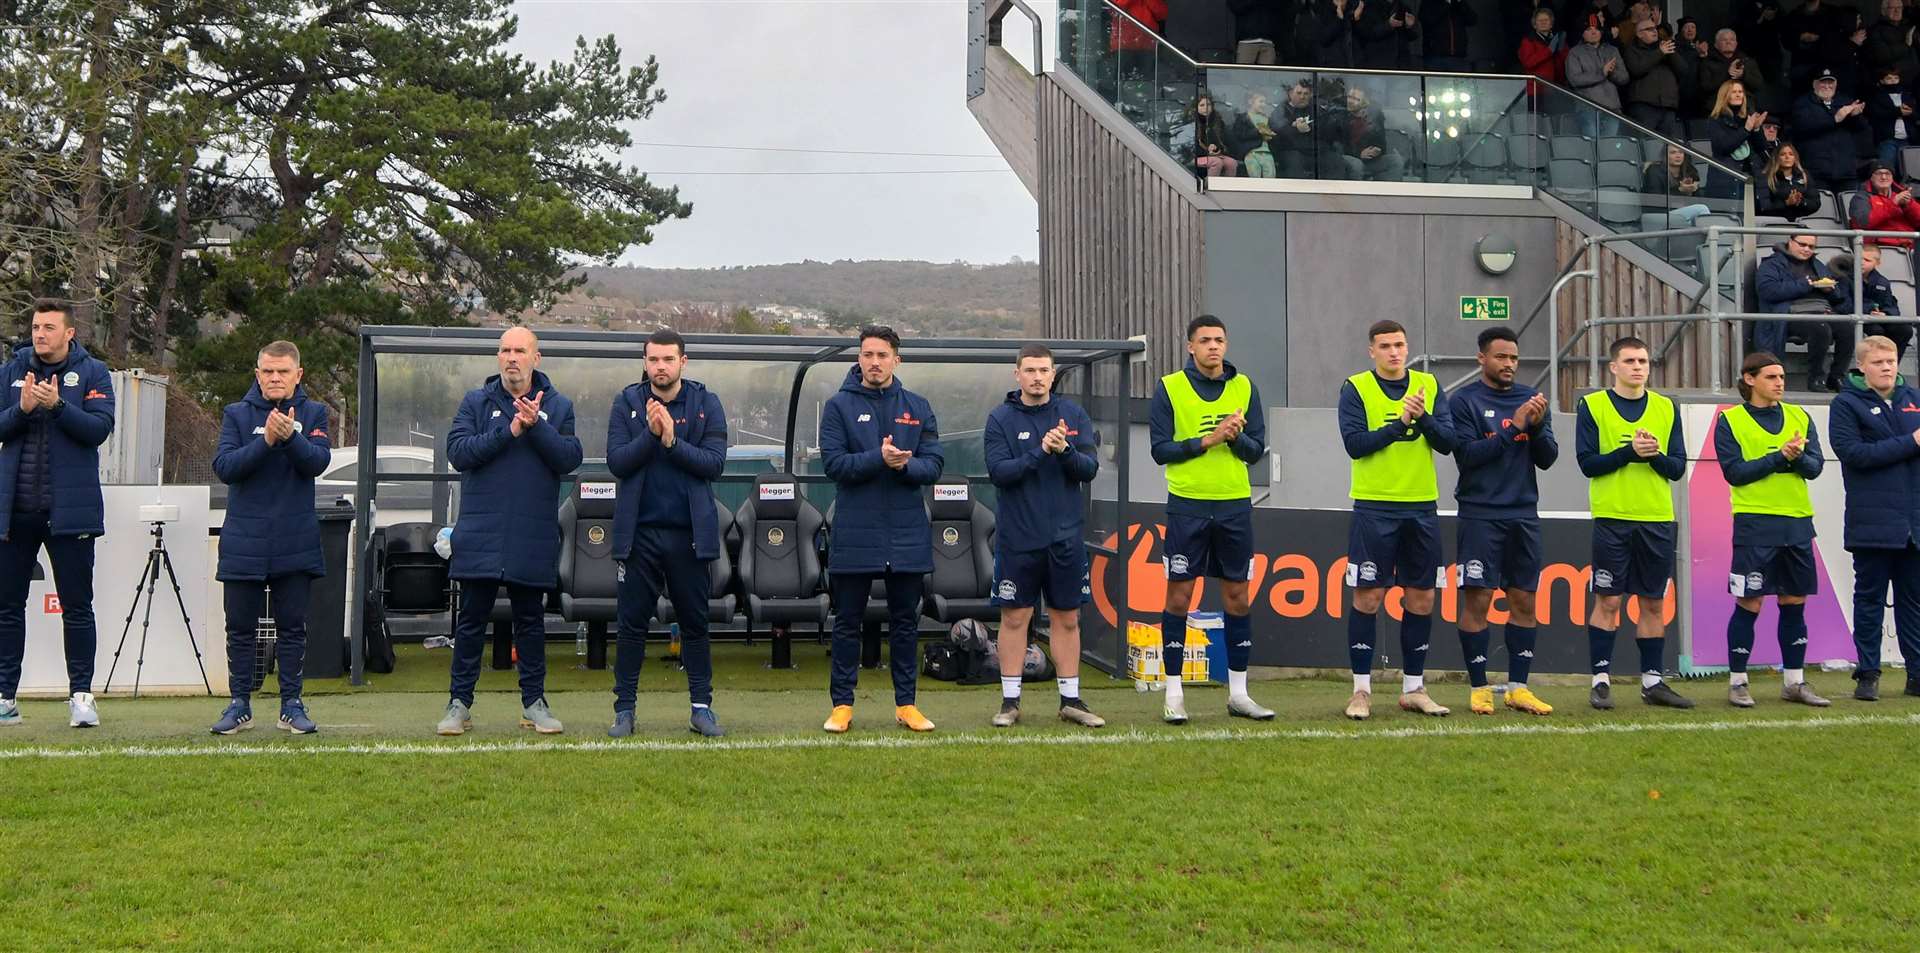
x: 1041, y: 454
x: 512, y: 440
x: 1503, y: 434
x: 880, y: 444
x: 56, y: 409
x: 272, y: 446
x: 666, y: 442
x: 1874, y: 427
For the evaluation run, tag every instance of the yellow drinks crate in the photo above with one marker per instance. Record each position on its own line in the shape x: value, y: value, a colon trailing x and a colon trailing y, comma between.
x: 1143, y: 650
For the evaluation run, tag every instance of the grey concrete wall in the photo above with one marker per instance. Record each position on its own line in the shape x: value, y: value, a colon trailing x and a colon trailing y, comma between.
x: 1246, y: 286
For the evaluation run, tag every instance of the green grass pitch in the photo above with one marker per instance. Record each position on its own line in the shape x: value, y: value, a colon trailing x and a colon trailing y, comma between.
x: 1773, y: 829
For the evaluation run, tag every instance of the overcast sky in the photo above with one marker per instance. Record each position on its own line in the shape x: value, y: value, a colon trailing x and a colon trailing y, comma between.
x: 860, y: 75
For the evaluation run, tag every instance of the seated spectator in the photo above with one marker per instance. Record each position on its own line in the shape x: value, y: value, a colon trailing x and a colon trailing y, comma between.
x: 1387, y: 34
x: 1727, y: 62
x: 1890, y: 114
x: 1792, y: 281
x: 1251, y: 131
x: 1876, y: 295
x: 1307, y: 140
x: 1670, y: 184
x: 1543, y: 52
x: 1884, y: 205
x: 1595, y: 73
x: 1445, y: 25
x: 1831, y: 129
x: 1889, y: 44
x: 1734, y: 131
x: 1212, y: 148
x: 1367, y: 139
x: 1785, y: 190
x: 1656, y: 69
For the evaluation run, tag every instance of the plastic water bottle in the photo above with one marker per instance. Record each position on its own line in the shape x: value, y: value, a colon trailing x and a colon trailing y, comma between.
x: 443, y: 542
x: 673, y: 638
x: 437, y: 642
x: 580, y: 639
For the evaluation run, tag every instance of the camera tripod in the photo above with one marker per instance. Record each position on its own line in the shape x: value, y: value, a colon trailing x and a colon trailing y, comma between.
x: 157, y: 558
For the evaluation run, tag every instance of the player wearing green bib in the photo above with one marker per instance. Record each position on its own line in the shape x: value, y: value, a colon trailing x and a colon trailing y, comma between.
x: 1629, y: 444
x: 1392, y: 421
x: 1768, y: 450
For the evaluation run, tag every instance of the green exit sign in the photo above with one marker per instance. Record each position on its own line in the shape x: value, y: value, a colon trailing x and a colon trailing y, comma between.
x: 1485, y: 308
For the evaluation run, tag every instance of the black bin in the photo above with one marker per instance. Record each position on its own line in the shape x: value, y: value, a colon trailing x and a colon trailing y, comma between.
x: 327, y: 610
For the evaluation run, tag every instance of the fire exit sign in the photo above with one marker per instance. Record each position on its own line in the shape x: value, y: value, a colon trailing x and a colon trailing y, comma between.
x: 1485, y: 308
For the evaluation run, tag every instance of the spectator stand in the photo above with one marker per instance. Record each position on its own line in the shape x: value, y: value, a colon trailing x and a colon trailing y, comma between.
x: 412, y: 379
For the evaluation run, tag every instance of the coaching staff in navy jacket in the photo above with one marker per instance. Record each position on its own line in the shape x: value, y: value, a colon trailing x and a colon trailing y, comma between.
x: 512, y: 440
x: 666, y: 442
x: 56, y: 409
x: 1874, y: 428
x: 880, y: 444
x: 272, y: 446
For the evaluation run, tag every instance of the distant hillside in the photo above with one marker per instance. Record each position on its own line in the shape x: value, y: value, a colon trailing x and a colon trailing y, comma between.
x: 926, y: 297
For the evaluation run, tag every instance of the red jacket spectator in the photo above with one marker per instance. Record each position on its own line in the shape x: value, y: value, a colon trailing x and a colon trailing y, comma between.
x: 1543, y: 53
x: 1883, y: 205
x: 1125, y: 36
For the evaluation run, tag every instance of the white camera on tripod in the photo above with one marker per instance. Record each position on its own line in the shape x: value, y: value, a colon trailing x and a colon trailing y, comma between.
x: 160, y: 513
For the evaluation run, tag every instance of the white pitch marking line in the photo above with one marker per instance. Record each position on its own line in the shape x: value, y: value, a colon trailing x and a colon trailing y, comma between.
x: 982, y: 739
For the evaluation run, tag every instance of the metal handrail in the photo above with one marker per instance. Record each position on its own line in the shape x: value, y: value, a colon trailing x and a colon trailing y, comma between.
x: 1715, y: 313
x: 1039, y: 41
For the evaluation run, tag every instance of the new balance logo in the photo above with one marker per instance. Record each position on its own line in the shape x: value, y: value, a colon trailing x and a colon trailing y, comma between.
x: 1800, y: 641
x: 1173, y: 645
x: 863, y: 418
x: 1243, y: 644
x: 1420, y: 648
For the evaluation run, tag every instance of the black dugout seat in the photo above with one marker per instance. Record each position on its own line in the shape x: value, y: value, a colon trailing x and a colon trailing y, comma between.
x: 961, y: 584
x: 721, y: 601
x: 589, y: 584
x: 779, y: 565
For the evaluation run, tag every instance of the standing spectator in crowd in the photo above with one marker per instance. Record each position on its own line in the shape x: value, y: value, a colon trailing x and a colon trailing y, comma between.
x: 1444, y: 28
x: 1252, y: 131
x: 1257, y: 24
x: 1543, y: 52
x: 1690, y: 39
x: 1792, y: 281
x: 1884, y: 205
x: 1890, y: 115
x: 1203, y: 29
x: 1516, y: 21
x: 1595, y: 72
x: 1307, y: 140
x: 1727, y: 62
x: 1805, y: 32
x: 1212, y: 147
x: 1758, y: 24
x: 1843, y: 49
x: 1678, y: 179
x: 1658, y: 72
x: 1832, y: 130
x: 1769, y: 143
x: 1125, y: 36
x: 1693, y: 49
x: 1367, y: 139
x: 1387, y: 34
x: 1889, y: 44
x: 1784, y: 189
x: 1337, y: 25
x: 1733, y: 128
x: 1876, y: 295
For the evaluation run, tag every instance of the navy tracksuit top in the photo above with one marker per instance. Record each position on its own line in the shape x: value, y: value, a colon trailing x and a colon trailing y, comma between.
x: 1498, y: 460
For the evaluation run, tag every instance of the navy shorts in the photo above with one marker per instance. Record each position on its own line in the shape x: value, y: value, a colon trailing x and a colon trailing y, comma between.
x: 1631, y: 558
x: 1499, y: 554
x: 1058, y: 573
x: 1388, y: 548
x: 1219, y: 547
x: 1772, y: 571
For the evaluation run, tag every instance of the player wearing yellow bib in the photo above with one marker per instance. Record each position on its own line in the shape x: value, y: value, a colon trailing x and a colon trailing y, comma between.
x: 1207, y: 426
x: 1768, y: 450
x: 1392, y: 420
x: 1629, y: 444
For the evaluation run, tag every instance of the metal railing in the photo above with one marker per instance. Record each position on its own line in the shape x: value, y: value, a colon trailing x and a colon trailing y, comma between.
x: 1722, y: 307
